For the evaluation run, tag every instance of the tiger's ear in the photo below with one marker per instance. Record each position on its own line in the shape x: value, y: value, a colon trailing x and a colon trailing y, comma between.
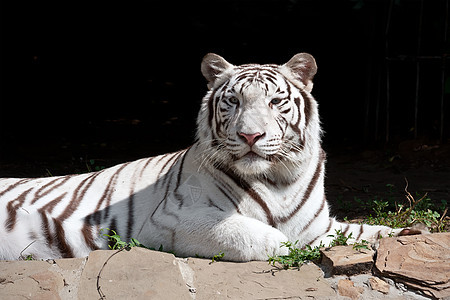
x: 213, y: 67
x: 303, y: 67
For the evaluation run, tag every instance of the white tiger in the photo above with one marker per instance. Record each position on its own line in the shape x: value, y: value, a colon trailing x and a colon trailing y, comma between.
x: 252, y: 179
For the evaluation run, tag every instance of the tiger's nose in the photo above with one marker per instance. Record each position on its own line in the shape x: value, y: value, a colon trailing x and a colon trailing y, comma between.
x: 251, y: 138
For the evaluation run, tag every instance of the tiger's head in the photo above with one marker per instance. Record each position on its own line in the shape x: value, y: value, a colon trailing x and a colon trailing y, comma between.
x: 259, y: 120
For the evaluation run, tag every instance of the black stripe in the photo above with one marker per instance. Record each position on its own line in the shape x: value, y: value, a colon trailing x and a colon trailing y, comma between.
x: 271, y: 80
x: 322, y: 206
x: 211, y: 108
x: 46, y: 228
x: 77, y: 196
x: 278, y: 120
x: 253, y: 194
x: 51, y: 204
x: 170, y: 175
x: 145, y: 166
x: 47, y: 188
x: 112, y: 226
x: 212, y: 103
x: 12, y: 208
x: 346, y: 229
x: 361, y: 230
x: 286, y: 110
x: 164, y: 181
x: 12, y: 186
x: 212, y: 204
x: 312, y: 184
x: 110, y: 189
x: 330, y: 220
x: 130, y: 222
x: 61, y: 242
x: 86, y: 231
x: 178, y: 183
x: 307, y: 99
x: 175, y: 156
x: 48, y: 208
x: 296, y: 127
x: 228, y: 197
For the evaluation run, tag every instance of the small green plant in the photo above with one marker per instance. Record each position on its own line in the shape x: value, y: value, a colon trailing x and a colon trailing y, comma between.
x: 379, y: 206
x: 48, y: 173
x: 117, y: 243
x: 28, y: 257
x: 339, y: 238
x: 91, y: 166
x: 419, y: 209
x: 296, y: 256
x: 363, y: 244
x: 217, y: 257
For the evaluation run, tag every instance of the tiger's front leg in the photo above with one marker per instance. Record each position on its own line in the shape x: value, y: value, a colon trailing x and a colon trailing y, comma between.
x: 240, y: 238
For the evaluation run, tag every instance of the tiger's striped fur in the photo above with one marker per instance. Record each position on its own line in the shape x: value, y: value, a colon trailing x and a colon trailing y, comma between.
x: 253, y: 179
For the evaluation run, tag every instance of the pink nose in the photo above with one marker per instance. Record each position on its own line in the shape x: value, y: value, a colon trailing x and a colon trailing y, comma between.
x: 251, y: 138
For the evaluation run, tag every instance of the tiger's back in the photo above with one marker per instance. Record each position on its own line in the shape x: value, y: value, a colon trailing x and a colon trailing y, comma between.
x: 252, y: 179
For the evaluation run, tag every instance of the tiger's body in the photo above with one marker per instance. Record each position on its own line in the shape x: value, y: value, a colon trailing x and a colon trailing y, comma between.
x: 253, y: 179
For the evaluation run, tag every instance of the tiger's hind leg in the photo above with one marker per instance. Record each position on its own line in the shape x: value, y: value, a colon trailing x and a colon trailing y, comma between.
x: 369, y: 233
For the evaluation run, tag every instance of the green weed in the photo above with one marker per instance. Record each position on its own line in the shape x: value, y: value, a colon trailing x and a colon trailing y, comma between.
x: 418, y: 209
x: 339, y: 238
x: 92, y: 166
x: 217, y: 257
x: 296, y: 256
x: 363, y: 244
x: 116, y: 242
x: 27, y: 257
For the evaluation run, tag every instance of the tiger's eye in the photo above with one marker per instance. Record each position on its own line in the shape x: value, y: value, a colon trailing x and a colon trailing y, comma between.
x: 275, y: 101
x: 234, y: 100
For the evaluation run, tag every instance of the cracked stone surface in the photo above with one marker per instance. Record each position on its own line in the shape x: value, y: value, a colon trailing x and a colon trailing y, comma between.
x: 22, y: 280
x: 145, y: 274
x: 420, y: 261
x: 135, y: 274
x: 257, y: 280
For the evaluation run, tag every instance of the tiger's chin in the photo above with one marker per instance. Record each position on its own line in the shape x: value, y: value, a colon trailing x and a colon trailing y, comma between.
x: 252, y: 164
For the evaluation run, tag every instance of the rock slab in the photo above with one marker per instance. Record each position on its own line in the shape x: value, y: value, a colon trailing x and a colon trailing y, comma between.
x: 44, y: 280
x: 344, y: 260
x: 135, y: 274
x: 419, y: 261
x: 145, y: 274
x: 258, y: 280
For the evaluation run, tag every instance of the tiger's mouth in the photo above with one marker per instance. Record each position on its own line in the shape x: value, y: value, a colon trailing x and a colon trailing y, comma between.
x: 251, y: 156
x: 251, y: 164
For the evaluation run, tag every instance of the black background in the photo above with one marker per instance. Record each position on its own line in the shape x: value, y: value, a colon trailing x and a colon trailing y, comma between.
x: 82, y: 80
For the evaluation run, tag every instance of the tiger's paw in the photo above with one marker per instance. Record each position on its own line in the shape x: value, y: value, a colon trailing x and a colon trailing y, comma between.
x: 265, y: 243
x: 274, y: 244
x: 245, y: 239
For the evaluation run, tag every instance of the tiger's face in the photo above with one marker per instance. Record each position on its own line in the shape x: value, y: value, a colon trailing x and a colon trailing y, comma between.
x: 255, y: 118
